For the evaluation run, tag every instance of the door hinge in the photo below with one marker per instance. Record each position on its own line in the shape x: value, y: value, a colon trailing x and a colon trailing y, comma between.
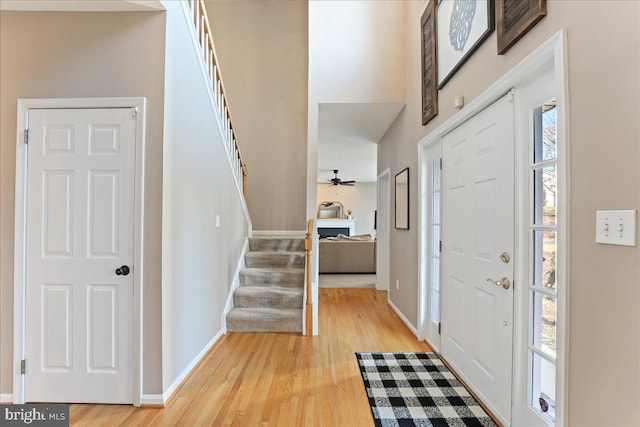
x: 26, y: 136
x: 439, y: 328
x: 441, y: 163
x: 23, y: 366
x: 440, y: 245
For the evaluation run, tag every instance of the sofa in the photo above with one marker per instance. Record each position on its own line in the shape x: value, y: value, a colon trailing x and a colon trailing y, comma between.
x: 347, y: 255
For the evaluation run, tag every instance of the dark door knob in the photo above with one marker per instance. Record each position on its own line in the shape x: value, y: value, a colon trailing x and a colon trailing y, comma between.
x: 124, y: 270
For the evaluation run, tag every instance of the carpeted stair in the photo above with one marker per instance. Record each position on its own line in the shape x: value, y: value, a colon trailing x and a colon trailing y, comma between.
x: 270, y: 295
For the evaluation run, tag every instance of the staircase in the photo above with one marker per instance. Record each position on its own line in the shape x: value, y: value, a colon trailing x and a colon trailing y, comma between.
x: 270, y: 295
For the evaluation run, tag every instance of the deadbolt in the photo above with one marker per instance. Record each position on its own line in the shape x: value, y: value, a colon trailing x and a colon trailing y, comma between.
x: 504, y: 256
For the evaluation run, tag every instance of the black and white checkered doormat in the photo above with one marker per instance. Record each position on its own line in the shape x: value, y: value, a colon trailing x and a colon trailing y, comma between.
x: 417, y: 389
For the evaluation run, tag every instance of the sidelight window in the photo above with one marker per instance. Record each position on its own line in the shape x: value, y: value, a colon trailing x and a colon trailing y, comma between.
x: 543, y: 284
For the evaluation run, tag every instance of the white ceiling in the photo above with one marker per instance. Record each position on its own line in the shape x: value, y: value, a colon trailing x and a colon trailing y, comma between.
x: 82, y: 5
x: 348, y: 135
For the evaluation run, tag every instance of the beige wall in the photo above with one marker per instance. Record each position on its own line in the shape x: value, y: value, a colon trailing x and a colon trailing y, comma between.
x: 604, y: 94
x: 64, y: 55
x: 262, y: 48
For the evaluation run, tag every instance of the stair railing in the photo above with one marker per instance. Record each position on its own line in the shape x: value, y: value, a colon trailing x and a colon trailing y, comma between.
x: 308, y: 244
x: 205, y: 38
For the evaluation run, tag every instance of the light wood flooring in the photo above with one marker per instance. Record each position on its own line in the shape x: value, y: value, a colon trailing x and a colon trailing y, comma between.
x: 251, y: 379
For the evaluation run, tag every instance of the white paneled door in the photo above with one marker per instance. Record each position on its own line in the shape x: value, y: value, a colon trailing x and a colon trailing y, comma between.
x: 477, y: 252
x: 79, y: 253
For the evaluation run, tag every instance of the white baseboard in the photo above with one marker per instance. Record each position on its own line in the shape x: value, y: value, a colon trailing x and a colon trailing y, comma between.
x: 279, y: 233
x: 151, y: 400
x: 402, y: 316
x: 6, y: 397
x: 178, y: 381
x: 234, y: 285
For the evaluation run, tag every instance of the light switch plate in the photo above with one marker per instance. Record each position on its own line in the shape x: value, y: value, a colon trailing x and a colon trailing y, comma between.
x: 217, y: 221
x: 616, y: 227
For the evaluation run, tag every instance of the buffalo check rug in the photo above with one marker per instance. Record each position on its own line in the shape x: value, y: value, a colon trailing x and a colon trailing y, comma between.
x: 417, y: 389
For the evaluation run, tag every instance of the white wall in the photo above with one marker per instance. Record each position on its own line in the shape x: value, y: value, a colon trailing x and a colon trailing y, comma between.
x: 361, y: 199
x: 198, y: 259
x: 356, y: 55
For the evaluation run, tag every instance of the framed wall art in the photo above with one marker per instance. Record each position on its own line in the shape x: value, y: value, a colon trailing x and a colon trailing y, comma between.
x: 515, y: 19
x: 429, y: 70
x: 462, y: 27
x: 402, y: 199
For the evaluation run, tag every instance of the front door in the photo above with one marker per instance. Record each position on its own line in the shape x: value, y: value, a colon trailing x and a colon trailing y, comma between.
x: 79, y: 250
x: 477, y: 252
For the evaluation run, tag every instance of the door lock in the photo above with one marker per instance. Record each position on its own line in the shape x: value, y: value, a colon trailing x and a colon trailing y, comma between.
x: 504, y: 282
x: 123, y: 271
x: 504, y: 256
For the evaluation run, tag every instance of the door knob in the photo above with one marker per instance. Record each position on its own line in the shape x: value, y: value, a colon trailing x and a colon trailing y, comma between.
x: 124, y: 270
x: 504, y: 282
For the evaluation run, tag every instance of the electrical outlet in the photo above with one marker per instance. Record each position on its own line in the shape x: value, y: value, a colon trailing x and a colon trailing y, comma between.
x: 397, y: 284
x: 616, y: 227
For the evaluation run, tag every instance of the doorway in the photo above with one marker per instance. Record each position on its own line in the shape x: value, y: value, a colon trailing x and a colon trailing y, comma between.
x: 78, y: 240
x: 540, y: 237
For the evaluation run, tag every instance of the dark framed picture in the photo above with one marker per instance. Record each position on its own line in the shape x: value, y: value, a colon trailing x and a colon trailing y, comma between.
x: 515, y: 19
x: 402, y: 199
x: 429, y: 70
x: 462, y: 26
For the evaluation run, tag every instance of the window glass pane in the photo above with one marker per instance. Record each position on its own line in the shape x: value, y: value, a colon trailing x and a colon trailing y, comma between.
x: 435, y: 306
x: 544, y: 259
x: 545, y: 132
x: 436, y: 207
x: 435, y: 236
x: 543, y: 387
x: 435, y: 273
x: 544, y: 323
x: 435, y: 167
x: 544, y: 196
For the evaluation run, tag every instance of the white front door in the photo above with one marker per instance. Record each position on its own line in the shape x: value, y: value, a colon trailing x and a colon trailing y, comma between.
x: 80, y: 211
x: 477, y: 228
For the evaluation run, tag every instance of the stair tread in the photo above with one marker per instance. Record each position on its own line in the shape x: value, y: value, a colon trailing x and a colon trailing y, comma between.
x: 269, y: 290
x: 265, y: 313
x: 283, y: 253
x: 285, y: 270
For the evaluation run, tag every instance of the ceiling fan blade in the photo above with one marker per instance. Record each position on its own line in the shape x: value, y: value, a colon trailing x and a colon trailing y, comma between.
x: 349, y: 182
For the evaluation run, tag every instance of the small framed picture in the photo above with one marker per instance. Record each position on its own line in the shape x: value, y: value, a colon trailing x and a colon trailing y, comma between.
x: 402, y: 199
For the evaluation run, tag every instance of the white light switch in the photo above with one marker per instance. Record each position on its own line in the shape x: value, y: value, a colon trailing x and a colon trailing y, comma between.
x: 217, y: 221
x: 616, y: 227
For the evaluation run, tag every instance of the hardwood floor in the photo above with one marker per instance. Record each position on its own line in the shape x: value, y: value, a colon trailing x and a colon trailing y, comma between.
x: 250, y: 379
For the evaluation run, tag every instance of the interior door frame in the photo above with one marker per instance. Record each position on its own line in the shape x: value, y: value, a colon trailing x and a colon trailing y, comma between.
x: 551, y: 55
x: 384, y: 206
x: 138, y: 104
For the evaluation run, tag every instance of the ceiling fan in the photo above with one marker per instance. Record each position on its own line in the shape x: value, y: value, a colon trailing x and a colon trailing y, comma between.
x: 338, y: 181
